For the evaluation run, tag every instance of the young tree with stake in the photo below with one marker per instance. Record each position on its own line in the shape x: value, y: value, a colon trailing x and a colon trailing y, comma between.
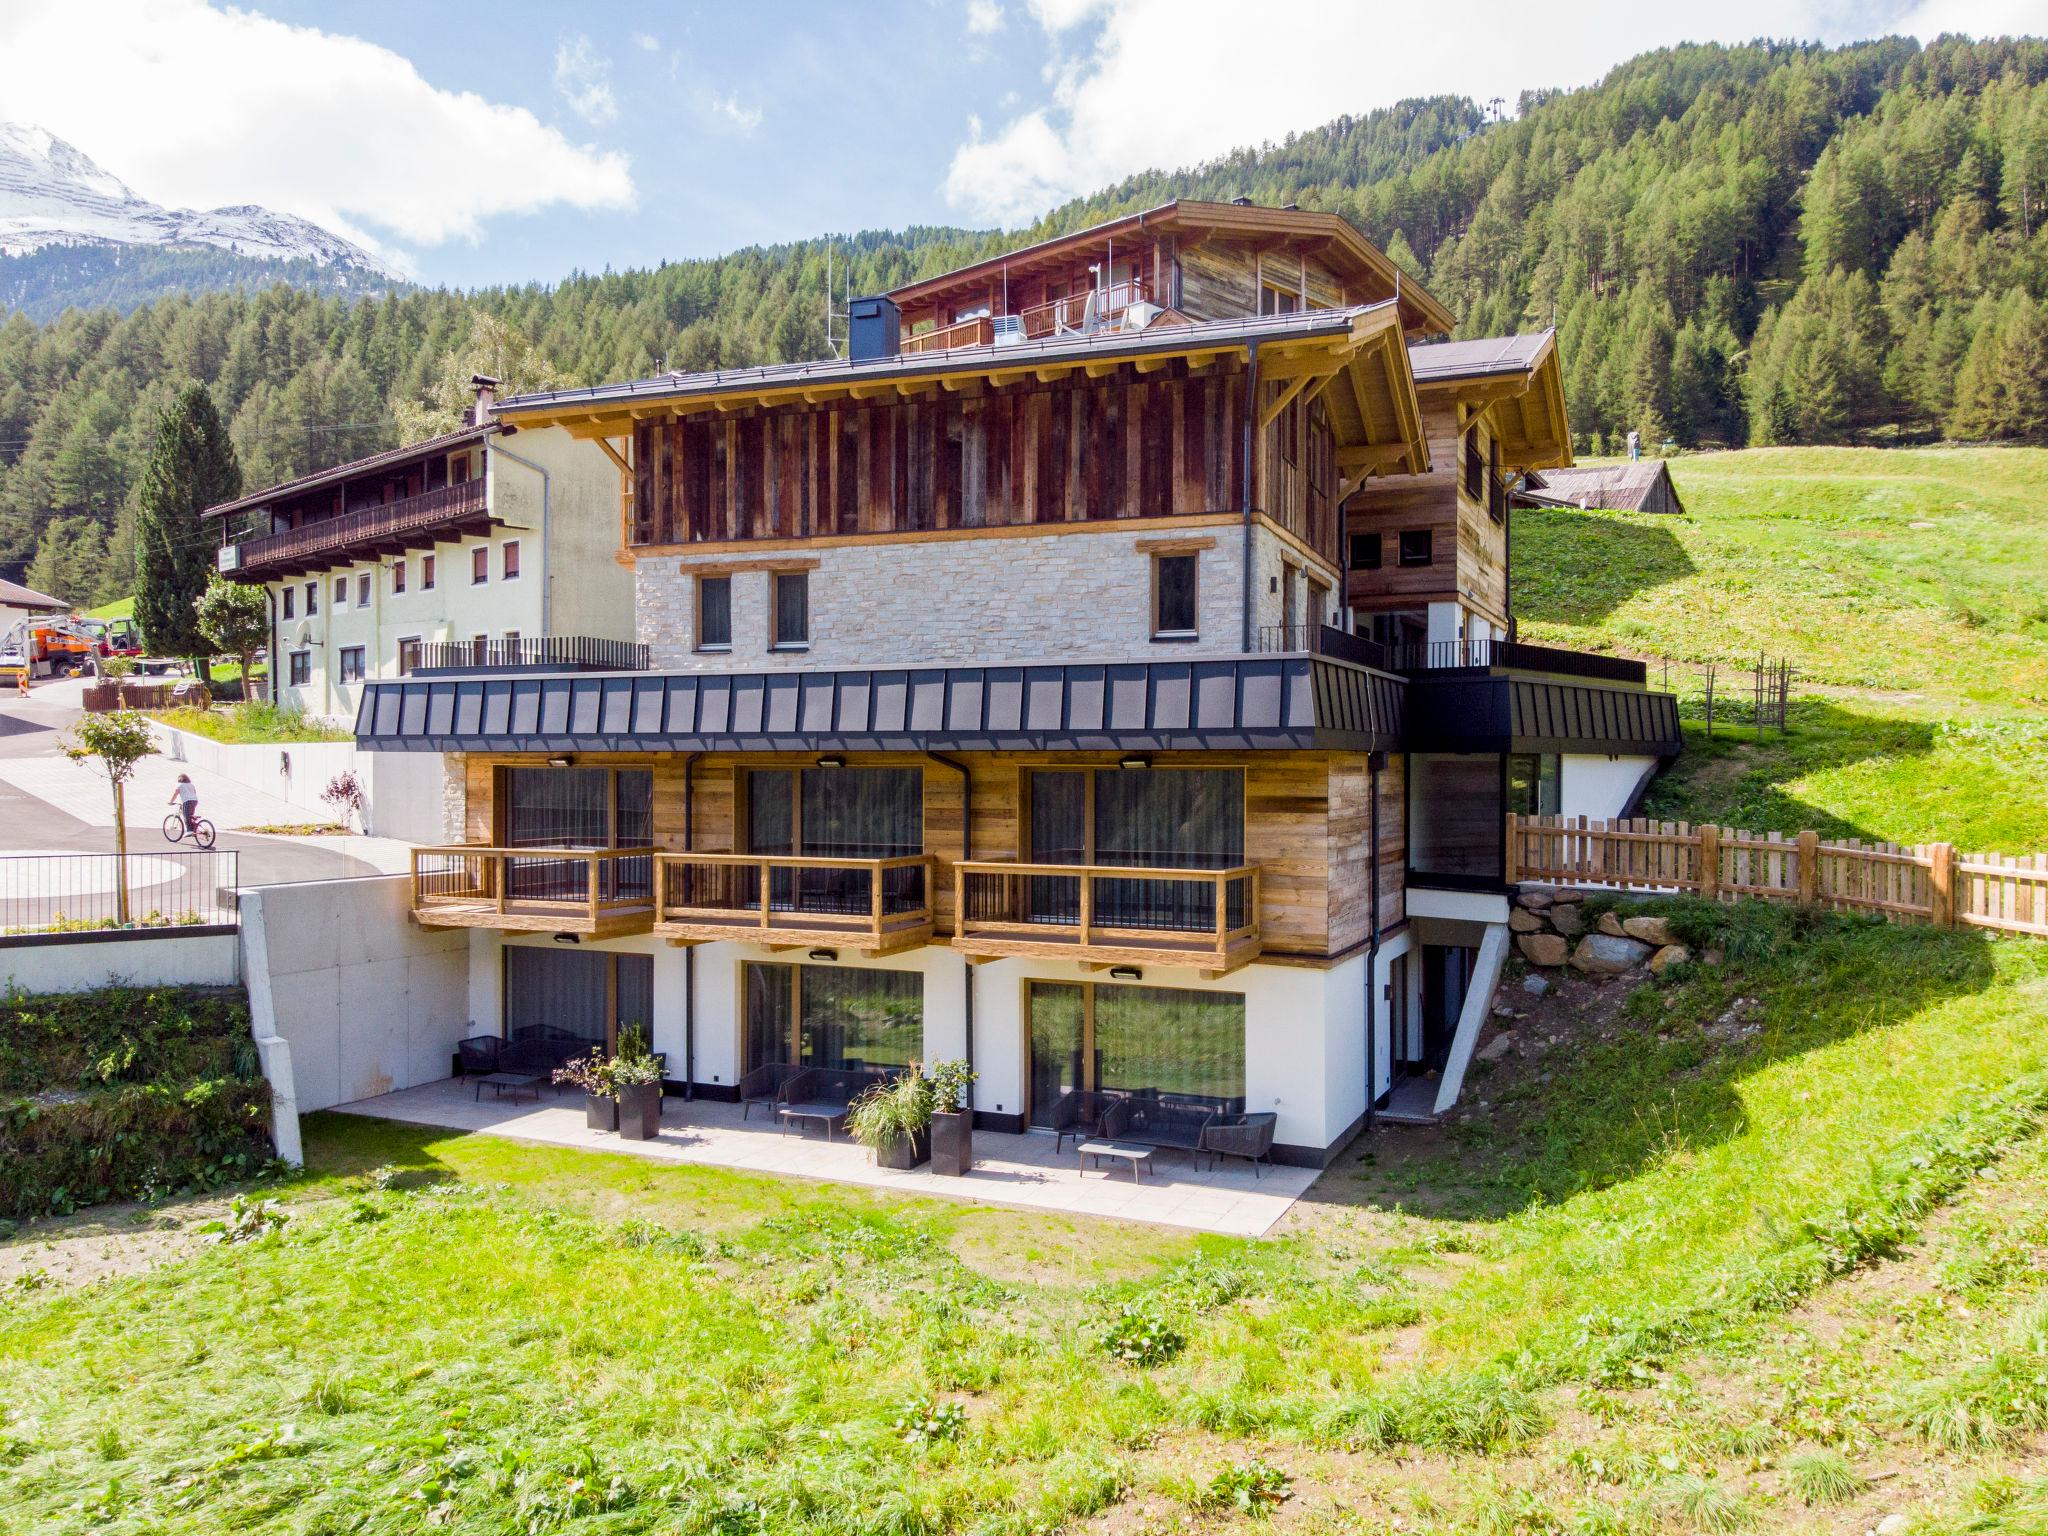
x: 117, y: 740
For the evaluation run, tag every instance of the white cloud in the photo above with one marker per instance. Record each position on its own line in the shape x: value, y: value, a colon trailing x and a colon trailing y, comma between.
x: 646, y: 42
x: 731, y: 114
x: 984, y: 17
x: 197, y: 107
x: 1133, y: 85
x: 583, y: 79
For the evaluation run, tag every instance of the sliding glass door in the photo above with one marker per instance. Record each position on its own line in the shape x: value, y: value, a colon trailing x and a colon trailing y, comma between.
x: 584, y: 996
x: 831, y: 1016
x: 576, y: 808
x: 1136, y: 818
x: 1167, y: 1045
x: 838, y: 813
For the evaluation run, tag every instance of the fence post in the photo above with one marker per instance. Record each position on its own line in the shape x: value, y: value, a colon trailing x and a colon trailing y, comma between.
x: 1507, y: 873
x: 1710, y: 862
x: 1941, y: 881
x: 1809, y: 867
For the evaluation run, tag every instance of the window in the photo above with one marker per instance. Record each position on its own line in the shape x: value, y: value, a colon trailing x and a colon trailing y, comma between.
x: 714, y: 613
x: 1496, y: 487
x: 826, y: 1016
x: 1167, y: 1049
x: 1136, y: 818
x: 312, y: 598
x: 512, y: 645
x: 1475, y: 467
x: 508, y: 560
x: 408, y: 655
x: 1534, y: 783
x: 290, y: 599
x: 397, y: 577
x: 792, y: 609
x: 479, y: 565
x: 576, y: 997
x: 1416, y: 546
x: 479, y: 649
x: 426, y: 573
x: 340, y: 593
x: 351, y: 663
x: 301, y: 668
x: 1275, y: 300
x: 363, y: 590
x: 1319, y: 603
x: 577, y: 808
x: 1173, y: 597
x: 1365, y: 551
x: 838, y: 813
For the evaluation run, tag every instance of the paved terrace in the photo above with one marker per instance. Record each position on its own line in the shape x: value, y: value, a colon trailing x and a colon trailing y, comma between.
x: 1008, y: 1170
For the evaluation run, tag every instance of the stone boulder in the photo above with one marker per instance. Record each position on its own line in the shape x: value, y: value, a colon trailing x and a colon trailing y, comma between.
x: 1536, y: 901
x: 1651, y: 930
x: 1610, y: 925
x: 1568, y: 920
x: 1524, y: 922
x: 1567, y: 897
x: 1607, y: 954
x: 1543, y: 948
x: 1535, y: 985
x: 1668, y: 956
x: 1497, y: 1047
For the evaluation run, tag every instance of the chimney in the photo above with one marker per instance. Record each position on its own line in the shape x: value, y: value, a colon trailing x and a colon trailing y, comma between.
x: 486, y: 389
x: 873, y: 329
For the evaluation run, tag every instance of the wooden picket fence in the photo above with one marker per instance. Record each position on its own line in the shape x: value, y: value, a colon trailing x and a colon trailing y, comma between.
x: 1927, y: 883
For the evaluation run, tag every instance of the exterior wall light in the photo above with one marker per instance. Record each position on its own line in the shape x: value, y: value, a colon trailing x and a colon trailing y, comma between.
x: 832, y: 762
x: 563, y: 761
x: 822, y: 954
x: 1134, y: 761
x: 567, y: 938
x: 1125, y: 973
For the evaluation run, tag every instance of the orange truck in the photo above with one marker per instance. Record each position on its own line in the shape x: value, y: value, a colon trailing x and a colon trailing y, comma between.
x: 44, y: 648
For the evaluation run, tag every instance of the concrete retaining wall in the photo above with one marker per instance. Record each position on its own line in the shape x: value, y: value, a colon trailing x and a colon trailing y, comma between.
x: 367, y: 1001
x: 81, y: 962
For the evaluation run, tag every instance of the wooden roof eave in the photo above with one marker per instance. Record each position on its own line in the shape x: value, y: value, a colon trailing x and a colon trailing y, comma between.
x: 1382, y: 389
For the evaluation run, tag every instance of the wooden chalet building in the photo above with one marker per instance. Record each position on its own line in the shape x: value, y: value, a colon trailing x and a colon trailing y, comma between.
x: 1104, y: 674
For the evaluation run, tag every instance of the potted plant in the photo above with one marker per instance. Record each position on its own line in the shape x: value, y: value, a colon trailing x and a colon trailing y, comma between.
x: 636, y: 1080
x: 593, y: 1074
x: 952, y: 1118
x: 893, y: 1120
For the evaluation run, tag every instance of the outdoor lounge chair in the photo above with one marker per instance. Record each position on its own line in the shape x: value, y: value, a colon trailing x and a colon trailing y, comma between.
x: 825, y: 1094
x: 1246, y: 1136
x: 763, y: 1085
x: 479, y: 1055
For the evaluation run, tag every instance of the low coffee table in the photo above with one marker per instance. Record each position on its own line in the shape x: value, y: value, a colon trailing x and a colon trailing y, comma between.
x: 829, y: 1114
x: 514, y: 1083
x: 1130, y: 1151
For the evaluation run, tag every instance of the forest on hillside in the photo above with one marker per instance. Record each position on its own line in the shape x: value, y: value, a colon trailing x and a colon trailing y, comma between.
x: 1775, y: 243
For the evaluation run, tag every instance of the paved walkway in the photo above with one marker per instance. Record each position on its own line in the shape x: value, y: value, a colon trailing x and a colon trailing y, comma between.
x: 1008, y: 1170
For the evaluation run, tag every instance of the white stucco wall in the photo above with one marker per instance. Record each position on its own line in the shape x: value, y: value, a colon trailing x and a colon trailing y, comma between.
x: 83, y: 962
x: 1080, y: 592
x: 366, y: 999
x: 1600, y: 787
x: 570, y: 581
x: 404, y: 792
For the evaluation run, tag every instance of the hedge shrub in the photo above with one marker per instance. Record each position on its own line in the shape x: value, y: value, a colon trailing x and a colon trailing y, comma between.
x: 126, y: 1094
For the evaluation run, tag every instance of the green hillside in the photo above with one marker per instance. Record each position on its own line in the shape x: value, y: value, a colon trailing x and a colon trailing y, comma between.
x: 1771, y: 243
x: 1908, y: 588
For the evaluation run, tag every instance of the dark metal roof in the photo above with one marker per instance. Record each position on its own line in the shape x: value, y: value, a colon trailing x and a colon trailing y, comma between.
x: 363, y: 466
x: 1466, y: 712
x: 1434, y: 362
x: 1166, y: 337
x: 1263, y: 703
x: 1623, y: 487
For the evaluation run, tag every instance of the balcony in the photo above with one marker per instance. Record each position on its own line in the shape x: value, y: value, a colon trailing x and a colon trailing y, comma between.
x: 598, y: 893
x: 546, y: 653
x: 1207, y: 919
x: 412, y: 522
x: 877, y: 906
x: 1484, y: 655
x: 1080, y: 314
x: 1324, y: 640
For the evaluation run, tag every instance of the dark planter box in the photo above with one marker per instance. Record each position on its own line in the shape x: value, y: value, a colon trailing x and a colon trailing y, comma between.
x: 640, y: 1111
x: 911, y: 1152
x: 600, y: 1113
x: 952, y: 1143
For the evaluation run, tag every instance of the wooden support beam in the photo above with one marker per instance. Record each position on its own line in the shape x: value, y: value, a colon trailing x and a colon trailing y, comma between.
x: 1282, y: 400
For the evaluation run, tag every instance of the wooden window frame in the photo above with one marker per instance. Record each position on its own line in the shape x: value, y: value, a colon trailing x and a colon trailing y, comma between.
x: 289, y: 602
x: 480, y: 565
x: 1088, y: 991
x: 313, y: 598
x: 1428, y: 537
x: 340, y: 594
x: 501, y: 798
x: 1370, y: 540
x: 363, y: 589
x: 719, y: 647
x: 1088, y: 771
x: 793, y: 1052
x: 1474, y: 484
x: 426, y: 573
x: 299, y: 669
x: 508, y: 560
x: 611, y: 994
x: 1160, y: 634
x: 341, y: 667
x: 775, y: 640
x: 398, y: 576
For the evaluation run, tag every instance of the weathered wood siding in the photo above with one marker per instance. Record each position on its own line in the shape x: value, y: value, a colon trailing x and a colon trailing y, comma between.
x: 1306, y: 823
x: 1221, y: 279
x: 1470, y: 549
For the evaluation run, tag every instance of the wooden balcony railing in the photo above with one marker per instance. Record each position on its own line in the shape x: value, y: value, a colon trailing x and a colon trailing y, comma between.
x: 1076, y: 315
x: 601, y: 892
x: 874, y: 905
x: 1204, y: 918
x: 394, y: 522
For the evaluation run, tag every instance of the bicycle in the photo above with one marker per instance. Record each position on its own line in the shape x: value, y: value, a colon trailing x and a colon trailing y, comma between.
x: 201, y: 830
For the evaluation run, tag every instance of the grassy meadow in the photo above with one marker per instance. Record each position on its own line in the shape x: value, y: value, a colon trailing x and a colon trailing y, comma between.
x: 1611, y: 1303
x: 1908, y: 587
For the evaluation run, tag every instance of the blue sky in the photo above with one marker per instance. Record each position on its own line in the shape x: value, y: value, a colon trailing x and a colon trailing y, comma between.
x: 512, y: 141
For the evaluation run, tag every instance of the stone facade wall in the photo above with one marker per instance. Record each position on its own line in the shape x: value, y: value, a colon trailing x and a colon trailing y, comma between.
x: 1065, y: 595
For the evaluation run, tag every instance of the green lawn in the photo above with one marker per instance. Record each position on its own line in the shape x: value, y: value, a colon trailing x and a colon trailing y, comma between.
x: 122, y: 608
x: 454, y: 1332
x: 252, y: 722
x: 1909, y: 589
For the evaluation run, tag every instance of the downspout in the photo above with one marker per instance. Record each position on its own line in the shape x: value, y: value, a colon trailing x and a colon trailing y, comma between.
x: 1375, y: 762
x: 689, y: 950
x: 967, y: 962
x: 547, y: 552
x: 1251, y: 416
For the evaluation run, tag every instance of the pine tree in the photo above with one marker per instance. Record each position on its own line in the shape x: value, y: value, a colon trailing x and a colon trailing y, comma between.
x: 192, y: 467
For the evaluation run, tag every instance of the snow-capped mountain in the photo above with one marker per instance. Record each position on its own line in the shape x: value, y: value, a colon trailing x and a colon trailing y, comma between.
x: 53, y: 194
